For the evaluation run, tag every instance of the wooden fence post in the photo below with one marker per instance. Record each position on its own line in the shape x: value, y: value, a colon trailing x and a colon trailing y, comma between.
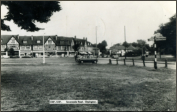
x: 117, y: 61
x: 110, y: 61
x: 144, y: 62
x: 166, y: 63
x: 133, y: 62
x: 124, y: 62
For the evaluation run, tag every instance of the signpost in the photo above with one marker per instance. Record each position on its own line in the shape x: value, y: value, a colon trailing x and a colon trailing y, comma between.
x: 157, y: 37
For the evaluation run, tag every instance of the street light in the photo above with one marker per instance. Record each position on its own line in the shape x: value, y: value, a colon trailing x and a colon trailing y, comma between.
x: 43, y: 47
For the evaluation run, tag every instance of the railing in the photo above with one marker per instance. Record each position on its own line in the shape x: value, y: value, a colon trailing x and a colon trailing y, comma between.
x: 143, y: 61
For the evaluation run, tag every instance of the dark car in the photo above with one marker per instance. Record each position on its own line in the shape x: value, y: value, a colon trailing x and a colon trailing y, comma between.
x: 86, y: 57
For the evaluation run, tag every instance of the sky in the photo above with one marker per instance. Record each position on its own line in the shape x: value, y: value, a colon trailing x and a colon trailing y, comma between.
x: 103, y: 19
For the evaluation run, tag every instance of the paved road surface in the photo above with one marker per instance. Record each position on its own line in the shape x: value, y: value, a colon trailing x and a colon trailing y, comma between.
x: 65, y: 61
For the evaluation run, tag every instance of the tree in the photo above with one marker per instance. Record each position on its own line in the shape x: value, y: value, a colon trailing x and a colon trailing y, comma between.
x: 26, y: 13
x: 125, y: 44
x: 102, y: 46
x: 76, y: 47
x: 141, y: 43
x: 134, y: 44
x: 11, y: 52
x: 168, y: 30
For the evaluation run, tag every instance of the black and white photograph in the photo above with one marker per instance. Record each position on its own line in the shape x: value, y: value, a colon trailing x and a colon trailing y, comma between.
x: 88, y: 56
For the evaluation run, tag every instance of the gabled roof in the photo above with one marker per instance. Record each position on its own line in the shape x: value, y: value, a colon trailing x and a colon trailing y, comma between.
x: 80, y: 40
x: 118, y: 47
x: 131, y: 48
x: 67, y: 40
x: 6, y: 38
x: 89, y: 44
x: 32, y: 40
x: 25, y: 38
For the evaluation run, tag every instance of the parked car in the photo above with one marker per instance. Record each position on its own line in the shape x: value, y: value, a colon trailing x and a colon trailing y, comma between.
x: 5, y: 56
x: 85, y: 57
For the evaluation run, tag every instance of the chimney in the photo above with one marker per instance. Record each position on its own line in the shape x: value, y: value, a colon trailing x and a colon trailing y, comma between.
x: 83, y: 38
x: 75, y: 36
x: 31, y: 37
x: 56, y: 37
x: 18, y: 36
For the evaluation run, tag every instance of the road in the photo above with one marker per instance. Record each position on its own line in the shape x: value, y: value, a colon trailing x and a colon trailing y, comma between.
x: 65, y: 61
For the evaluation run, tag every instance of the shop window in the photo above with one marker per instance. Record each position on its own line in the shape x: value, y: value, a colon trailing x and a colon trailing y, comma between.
x: 27, y: 47
x: 35, y: 47
x: 40, y: 47
x: 38, y: 41
x: 24, y: 42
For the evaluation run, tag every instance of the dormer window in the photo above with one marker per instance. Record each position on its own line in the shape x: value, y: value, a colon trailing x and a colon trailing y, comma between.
x: 13, y: 40
x: 50, y: 41
x: 24, y: 42
x: 38, y: 41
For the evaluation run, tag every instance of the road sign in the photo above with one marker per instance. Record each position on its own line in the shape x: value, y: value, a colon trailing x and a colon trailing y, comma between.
x: 160, y: 39
x: 151, y: 39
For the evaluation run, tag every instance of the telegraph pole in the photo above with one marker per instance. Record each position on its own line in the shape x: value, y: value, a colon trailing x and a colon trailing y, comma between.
x: 125, y: 40
x: 155, y: 60
x: 96, y: 41
x: 43, y: 50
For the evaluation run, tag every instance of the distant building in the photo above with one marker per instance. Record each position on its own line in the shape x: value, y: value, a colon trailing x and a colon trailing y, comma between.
x: 33, y: 45
x: 120, y: 50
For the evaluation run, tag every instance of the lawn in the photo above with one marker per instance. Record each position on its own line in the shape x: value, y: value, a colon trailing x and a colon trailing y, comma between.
x: 116, y: 87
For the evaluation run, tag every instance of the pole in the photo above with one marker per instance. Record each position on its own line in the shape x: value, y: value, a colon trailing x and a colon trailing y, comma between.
x: 155, y: 60
x: 125, y: 40
x: 96, y: 40
x: 43, y: 51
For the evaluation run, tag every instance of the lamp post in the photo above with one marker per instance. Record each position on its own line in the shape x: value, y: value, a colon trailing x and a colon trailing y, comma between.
x: 43, y: 47
x: 43, y: 50
x: 96, y: 41
x: 125, y: 41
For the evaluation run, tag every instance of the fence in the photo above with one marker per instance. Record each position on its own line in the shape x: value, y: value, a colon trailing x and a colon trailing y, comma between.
x: 138, y: 61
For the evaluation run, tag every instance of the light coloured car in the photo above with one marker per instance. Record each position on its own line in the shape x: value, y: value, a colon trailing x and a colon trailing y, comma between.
x: 5, y: 56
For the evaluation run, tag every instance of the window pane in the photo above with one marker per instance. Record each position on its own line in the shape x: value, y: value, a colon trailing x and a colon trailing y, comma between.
x: 50, y: 41
x: 38, y: 41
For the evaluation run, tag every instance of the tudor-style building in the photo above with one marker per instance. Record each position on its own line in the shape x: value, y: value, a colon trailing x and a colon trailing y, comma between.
x: 8, y: 42
x: 33, y: 45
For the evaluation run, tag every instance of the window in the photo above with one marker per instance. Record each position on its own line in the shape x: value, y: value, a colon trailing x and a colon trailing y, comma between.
x: 50, y: 41
x: 61, y: 47
x: 38, y: 41
x: 40, y: 47
x: 13, y: 40
x: 24, y: 42
x: 61, y: 42
x: 35, y: 47
x: 27, y: 47
x: 22, y: 47
x: 1, y: 40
